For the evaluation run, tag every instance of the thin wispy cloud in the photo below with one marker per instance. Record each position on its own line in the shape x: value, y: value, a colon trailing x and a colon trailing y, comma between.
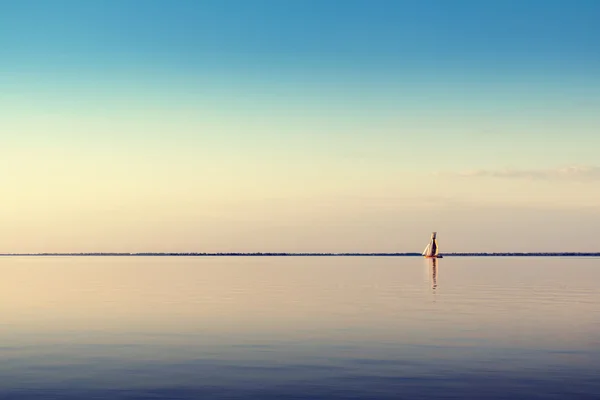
x: 570, y: 173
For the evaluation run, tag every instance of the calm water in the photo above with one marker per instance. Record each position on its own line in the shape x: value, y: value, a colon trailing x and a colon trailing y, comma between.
x: 299, y: 328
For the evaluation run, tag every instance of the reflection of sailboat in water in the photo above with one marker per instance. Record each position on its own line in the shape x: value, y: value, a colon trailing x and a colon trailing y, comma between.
x: 434, y: 272
x: 431, y: 266
x: 432, y: 249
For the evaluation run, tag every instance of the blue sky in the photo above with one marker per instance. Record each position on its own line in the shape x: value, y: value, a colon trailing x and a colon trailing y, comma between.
x: 495, y: 38
x: 265, y: 114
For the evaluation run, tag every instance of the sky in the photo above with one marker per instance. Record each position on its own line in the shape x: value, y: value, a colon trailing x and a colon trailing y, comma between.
x: 322, y: 126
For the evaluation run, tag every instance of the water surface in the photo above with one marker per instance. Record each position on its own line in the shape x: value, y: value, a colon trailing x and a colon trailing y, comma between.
x: 299, y: 328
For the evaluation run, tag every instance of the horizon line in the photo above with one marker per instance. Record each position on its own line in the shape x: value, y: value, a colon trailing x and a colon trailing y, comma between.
x: 301, y: 254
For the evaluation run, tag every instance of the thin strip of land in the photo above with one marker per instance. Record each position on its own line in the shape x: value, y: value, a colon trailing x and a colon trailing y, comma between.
x: 536, y: 254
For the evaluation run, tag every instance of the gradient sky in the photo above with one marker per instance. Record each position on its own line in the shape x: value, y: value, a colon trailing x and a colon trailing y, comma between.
x: 299, y: 125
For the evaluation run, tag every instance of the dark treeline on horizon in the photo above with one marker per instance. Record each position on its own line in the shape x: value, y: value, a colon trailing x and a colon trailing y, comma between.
x: 259, y: 254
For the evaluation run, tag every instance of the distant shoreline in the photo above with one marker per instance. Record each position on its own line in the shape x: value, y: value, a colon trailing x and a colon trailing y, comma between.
x: 538, y: 254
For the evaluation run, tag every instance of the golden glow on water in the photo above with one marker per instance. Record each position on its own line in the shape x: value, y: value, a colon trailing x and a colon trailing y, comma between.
x: 381, y: 298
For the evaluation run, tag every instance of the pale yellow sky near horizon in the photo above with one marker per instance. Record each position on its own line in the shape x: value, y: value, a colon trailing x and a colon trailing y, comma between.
x: 181, y: 215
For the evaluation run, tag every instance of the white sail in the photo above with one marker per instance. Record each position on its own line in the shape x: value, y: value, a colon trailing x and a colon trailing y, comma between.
x: 426, y: 249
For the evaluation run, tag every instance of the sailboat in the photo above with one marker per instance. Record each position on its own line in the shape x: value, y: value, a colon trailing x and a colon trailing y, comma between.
x: 432, y: 249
